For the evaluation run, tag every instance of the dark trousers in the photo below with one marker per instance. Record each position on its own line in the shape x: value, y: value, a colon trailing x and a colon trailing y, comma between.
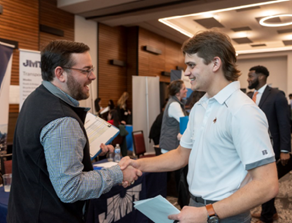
x: 268, y: 210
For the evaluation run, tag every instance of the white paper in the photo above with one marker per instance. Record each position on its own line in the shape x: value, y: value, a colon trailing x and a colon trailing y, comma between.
x: 105, y: 110
x: 98, y: 131
x: 157, y: 209
x: 106, y: 165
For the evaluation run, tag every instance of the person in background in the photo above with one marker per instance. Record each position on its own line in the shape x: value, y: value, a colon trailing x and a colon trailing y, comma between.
x: 226, y: 144
x: 97, y: 105
x: 123, y: 111
x: 174, y: 109
x: 53, y: 177
x: 274, y: 104
x: 155, y: 131
x: 170, y: 130
x: 113, y: 118
x: 111, y: 104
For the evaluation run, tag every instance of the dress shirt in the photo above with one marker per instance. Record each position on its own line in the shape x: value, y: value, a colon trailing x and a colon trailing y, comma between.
x: 63, y: 141
x: 227, y: 135
x: 260, y: 93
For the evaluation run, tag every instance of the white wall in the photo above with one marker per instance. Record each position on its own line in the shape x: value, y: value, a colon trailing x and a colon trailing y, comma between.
x: 278, y: 64
x: 146, y: 105
x: 87, y: 32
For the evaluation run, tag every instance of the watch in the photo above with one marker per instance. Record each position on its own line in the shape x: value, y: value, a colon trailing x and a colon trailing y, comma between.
x: 212, y: 216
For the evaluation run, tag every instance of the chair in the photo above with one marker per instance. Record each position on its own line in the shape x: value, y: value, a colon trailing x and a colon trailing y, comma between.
x: 6, y: 165
x: 139, y: 144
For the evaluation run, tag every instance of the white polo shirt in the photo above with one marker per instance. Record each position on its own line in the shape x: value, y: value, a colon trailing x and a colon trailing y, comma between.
x: 228, y: 135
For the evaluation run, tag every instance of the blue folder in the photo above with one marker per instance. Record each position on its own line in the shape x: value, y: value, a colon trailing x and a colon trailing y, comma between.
x: 183, y: 124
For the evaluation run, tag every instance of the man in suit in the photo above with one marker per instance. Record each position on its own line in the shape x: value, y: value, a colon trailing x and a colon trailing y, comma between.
x: 274, y: 104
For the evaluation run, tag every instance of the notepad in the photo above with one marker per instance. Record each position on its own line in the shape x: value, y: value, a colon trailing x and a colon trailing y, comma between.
x: 98, y: 131
x: 157, y: 209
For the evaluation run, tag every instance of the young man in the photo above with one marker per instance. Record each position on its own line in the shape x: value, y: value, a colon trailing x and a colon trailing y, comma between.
x: 226, y: 144
x: 275, y: 106
x: 52, y: 171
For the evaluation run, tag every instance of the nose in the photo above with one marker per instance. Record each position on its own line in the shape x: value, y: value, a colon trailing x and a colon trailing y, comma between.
x: 187, y: 72
x: 91, y: 76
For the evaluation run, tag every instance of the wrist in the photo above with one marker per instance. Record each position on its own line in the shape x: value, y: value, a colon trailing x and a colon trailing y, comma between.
x: 212, y: 216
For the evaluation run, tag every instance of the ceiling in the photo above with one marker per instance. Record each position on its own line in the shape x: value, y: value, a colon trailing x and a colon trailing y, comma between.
x: 241, y: 24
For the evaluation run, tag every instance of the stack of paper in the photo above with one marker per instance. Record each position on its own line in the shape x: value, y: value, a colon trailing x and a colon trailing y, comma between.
x: 157, y: 209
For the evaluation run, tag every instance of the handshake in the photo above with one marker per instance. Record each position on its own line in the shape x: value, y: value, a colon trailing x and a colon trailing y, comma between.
x: 131, y: 171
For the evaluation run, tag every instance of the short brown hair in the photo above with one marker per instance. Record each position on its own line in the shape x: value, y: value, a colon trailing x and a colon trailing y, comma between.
x: 175, y: 87
x: 58, y: 53
x: 209, y: 44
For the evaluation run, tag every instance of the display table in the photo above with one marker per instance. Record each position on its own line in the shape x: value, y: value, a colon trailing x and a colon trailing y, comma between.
x: 116, y: 205
x: 3, y: 204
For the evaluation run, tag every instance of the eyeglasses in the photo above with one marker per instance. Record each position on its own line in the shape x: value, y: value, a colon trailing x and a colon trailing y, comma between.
x: 87, y: 72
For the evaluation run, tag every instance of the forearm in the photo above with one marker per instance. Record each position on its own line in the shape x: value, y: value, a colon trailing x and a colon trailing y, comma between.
x: 172, y: 160
x: 262, y: 188
x: 85, y: 185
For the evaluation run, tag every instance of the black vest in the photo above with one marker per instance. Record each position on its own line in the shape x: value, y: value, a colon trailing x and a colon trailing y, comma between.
x: 32, y: 196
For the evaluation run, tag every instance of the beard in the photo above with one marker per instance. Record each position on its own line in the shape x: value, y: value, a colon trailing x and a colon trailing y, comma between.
x: 76, y: 89
x: 254, y: 84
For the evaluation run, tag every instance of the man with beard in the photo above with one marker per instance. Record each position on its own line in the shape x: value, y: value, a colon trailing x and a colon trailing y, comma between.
x: 226, y: 143
x: 274, y: 104
x: 52, y: 171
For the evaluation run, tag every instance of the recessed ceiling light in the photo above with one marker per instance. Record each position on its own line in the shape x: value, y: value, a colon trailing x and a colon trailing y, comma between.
x: 264, y: 23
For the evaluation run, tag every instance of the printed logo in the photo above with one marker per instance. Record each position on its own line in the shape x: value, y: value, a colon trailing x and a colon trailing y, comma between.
x: 265, y: 152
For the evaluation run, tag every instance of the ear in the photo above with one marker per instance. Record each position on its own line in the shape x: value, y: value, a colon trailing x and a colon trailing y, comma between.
x: 60, y: 74
x: 216, y: 64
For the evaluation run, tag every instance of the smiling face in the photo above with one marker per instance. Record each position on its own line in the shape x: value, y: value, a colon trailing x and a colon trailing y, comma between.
x: 77, y: 84
x: 199, y: 73
x: 182, y: 92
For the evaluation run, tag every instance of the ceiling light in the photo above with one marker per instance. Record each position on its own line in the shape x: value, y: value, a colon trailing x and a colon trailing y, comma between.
x: 263, y: 23
x: 226, y: 9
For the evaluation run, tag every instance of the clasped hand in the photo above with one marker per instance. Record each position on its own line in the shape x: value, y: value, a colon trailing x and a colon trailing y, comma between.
x: 131, y: 171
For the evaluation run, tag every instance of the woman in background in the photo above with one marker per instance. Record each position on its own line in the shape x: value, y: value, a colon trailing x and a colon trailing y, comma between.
x: 123, y: 111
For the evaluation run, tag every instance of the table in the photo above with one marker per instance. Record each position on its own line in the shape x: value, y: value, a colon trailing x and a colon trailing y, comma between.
x: 116, y: 205
x: 3, y: 204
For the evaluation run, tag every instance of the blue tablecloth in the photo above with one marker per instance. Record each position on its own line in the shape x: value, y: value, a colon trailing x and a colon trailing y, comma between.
x: 116, y: 205
x: 3, y: 204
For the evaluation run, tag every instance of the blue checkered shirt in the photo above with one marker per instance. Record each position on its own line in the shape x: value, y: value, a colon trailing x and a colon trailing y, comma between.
x: 63, y: 141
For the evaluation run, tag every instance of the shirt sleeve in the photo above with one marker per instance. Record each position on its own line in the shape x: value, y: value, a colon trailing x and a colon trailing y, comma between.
x: 175, y: 111
x: 249, y: 130
x: 63, y: 141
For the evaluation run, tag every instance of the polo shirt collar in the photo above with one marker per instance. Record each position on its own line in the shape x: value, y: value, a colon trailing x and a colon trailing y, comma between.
x: 222, y: 95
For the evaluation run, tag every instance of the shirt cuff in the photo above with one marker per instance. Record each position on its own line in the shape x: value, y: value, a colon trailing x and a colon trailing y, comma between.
x: 117, y: 174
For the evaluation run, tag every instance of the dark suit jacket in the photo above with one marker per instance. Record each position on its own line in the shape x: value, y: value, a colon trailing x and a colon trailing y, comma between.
x: 274, y: 104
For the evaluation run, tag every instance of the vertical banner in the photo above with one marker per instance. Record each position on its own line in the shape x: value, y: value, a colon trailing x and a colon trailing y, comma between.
x: 30, y: 76
x: 6, y: 53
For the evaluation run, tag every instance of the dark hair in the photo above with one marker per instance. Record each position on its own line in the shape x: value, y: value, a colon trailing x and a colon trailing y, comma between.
x: 210, y: 44
x: 260, y: 70
x: 111, y: 104
x: 115, y: 116
x: 58, y: 53
x: 96, y: 105
x: 174, y: 87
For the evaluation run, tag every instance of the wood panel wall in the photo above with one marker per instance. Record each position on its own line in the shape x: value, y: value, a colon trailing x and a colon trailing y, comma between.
x: 20, y: 22
x: 112, y: 80
x: 151, y: 64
